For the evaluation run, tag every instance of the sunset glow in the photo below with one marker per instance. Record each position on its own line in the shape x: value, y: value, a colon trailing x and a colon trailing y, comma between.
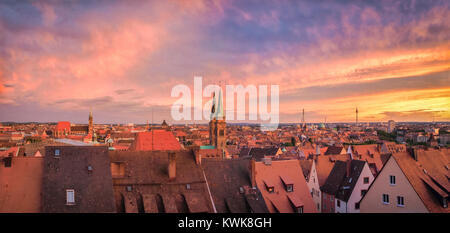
x: 389, y: 59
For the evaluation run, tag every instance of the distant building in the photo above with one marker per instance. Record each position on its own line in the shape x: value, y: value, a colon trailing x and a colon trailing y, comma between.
x: 392, y: 147
x: 155, y: 140
x: 217, y: 125
x: 444, y: 139
x: 391, y: 126
x: 64, y: 129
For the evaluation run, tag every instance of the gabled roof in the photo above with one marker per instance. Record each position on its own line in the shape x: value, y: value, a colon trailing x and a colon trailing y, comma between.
x: 259, y: 153
x: 280, y: 199
x: 160, y: 140
x: 334, y: 150
x: 366, y: 149
x: 244, y: 152
x: 306, y: 167
x: 348, y: 184
x: 63, y: 125
x: 324, y: 165
x: 226, y: 178
x: 335, y: 178
x: 428, y: 176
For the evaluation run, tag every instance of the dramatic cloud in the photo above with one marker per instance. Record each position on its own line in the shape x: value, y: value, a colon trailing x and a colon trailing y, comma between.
x: 122, y: 59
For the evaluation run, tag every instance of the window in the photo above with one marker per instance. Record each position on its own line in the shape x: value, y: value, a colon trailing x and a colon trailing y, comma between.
x: 289, y: 188
x: 363, y: 192
x: 117, y: 169
x: 56, y: 152
x: 385, y: 199
x: 300, y: 209
x: 366, y: 180
x: 357, y: 206
x: 400, y: 201
x: 70, y: 197
x: 270, y: 188
x: 8, y: 161
x: 338, y: 203
x: 392, y: 180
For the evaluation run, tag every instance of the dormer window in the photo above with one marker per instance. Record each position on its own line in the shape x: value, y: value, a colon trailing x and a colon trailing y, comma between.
x: 289, y: 188
x: 296, y: 203
x: 288, y: 183
x: 269, y: 186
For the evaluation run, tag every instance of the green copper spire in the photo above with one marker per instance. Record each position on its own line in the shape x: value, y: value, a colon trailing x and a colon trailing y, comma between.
x: 219, y: 114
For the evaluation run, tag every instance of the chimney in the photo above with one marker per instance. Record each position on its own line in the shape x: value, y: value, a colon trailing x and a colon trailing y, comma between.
x: 415, y: 154
x: 348, y: 163
x: 253, y: 172
x: 172, y: 167
x: 317, y: 149
x: 198, y: 157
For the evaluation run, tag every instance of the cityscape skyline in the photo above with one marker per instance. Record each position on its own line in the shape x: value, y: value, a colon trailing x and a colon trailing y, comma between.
x: 391, y: 59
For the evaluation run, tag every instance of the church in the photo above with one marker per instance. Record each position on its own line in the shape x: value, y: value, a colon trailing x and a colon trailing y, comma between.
x: 217, y: 132
x: 64, y: 129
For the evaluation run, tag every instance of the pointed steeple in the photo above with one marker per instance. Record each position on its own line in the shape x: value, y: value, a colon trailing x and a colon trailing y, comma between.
x: 219, y: 113
x: 213, y: 108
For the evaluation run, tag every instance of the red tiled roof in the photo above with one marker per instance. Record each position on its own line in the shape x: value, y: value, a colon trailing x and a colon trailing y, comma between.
x: 63, y: 125
x: 180, y: 133
x: 155, y: 140
x: 280, y: 198
x: 13, y: 150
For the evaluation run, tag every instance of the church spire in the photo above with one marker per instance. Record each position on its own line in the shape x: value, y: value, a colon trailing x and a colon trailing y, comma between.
x: 213, y: 108
x: 219, y: 113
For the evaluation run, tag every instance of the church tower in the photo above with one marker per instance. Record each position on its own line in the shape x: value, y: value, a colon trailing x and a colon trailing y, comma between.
x: 217, y: 125
x: 91, y: 125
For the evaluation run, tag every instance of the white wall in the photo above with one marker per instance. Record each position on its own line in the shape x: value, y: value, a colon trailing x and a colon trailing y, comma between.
x: 313, y: 183
x: 356, y: 194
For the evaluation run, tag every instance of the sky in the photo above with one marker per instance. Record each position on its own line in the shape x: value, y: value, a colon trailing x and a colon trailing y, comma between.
x: 121, y: 59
